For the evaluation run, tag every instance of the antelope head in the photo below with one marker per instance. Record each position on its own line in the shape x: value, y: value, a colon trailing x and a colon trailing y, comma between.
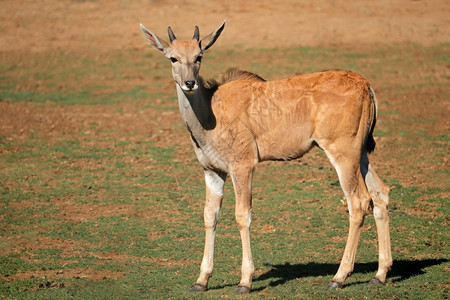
x: 185, y: 56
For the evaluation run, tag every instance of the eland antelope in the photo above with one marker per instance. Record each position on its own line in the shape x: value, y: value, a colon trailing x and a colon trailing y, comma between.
x: 242, y: 119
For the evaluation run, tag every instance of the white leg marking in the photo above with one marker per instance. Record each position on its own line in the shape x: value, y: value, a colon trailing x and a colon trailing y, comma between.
x: 214, y: 183
x: 377, y: 213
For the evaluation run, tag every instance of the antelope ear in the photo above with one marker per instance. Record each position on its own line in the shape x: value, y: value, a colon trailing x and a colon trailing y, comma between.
x: 156, y: 42
x: 209, y: 40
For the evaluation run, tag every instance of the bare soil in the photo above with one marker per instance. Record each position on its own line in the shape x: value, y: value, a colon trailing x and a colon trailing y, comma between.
x: 101, y: 25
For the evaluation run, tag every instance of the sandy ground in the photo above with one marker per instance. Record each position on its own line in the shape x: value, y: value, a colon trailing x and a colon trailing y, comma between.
x: 46, y: 25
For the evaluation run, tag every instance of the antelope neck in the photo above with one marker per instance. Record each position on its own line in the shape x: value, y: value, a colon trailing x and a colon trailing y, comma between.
x: 196, y: 112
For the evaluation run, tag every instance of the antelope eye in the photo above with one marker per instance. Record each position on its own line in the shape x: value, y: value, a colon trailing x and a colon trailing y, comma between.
x: 173, y: 60
x: 199, y: 59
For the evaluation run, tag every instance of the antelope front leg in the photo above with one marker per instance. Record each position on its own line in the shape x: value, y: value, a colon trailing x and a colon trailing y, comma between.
x: 242, y: 182
x: 214, y: 195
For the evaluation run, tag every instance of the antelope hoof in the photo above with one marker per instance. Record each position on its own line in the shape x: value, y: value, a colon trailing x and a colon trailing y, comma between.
x: 242, y: 290
x: 334, y: 285
x: 375, y: 281
x: 198, y: 288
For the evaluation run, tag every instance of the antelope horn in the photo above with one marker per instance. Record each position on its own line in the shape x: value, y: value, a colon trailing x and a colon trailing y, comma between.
x: 196, y: 34
x: 172, y: 36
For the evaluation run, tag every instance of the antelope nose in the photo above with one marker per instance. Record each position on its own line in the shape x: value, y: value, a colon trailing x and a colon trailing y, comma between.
x: 190, y: 84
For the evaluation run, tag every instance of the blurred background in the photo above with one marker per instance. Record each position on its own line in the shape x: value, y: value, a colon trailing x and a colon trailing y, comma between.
x: 45, y: 25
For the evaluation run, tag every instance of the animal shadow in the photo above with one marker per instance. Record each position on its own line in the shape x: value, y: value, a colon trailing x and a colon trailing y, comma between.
x: 401, y: 270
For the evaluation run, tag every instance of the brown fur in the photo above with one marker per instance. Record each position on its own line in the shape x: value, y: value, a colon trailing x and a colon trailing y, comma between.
x: 233, y: 74
x: 230, y: 75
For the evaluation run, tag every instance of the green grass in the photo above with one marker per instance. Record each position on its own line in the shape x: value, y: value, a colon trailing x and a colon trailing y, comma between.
x: 128, y: 205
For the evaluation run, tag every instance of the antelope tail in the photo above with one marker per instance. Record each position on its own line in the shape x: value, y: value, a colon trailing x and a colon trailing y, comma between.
x: 370, y: 142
